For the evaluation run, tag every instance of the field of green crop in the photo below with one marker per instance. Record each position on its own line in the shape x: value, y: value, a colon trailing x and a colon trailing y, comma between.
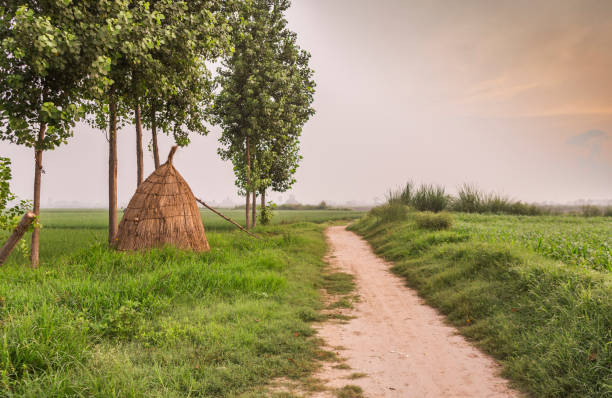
x: 574, y: 240
x: 66, y: 230
x: 95, y: 322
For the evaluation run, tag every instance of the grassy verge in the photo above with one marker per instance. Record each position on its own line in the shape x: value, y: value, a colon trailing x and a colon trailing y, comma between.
x: 549, y: 323
x: 166, y: 323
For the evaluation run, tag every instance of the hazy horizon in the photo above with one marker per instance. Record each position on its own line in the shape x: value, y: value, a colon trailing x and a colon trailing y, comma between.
x: 513, y: 96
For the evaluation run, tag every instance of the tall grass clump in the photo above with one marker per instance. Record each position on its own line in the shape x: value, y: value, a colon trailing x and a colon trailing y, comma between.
x: 497, y: 204
x: 402, y: 195
x: 430, y: 198
x: 469, y: 199
x: 434, y: 221
x: 390, y: 212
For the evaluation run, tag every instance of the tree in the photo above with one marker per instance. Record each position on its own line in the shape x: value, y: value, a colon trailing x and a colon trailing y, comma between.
x: 265, y: 99
x: 158, y: 56
x: 133, y: 33
x: 179, y: 89
x: 49, y: 58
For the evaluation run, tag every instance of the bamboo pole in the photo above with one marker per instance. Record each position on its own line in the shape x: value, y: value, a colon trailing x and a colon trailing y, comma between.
x: 227, y: 219
x: 16, y: 236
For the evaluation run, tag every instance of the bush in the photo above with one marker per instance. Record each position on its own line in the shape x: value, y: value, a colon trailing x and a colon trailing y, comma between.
x: 430, y: 198
x: 433, y: 221
x: 607, y: 211
x: 266, y: 213
x: 10, y: 215
x: 591, y: 211
x: 389, y: 212
x: 524, y: 209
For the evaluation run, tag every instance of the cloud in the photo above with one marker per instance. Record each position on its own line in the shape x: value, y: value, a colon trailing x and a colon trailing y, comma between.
x: 593, y: 137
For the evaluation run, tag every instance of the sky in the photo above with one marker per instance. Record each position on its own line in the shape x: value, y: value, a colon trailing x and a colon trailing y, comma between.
x: 514, y: 96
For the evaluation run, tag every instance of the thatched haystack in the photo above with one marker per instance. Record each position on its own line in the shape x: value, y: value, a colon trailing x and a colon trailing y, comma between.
x: 163, y: 211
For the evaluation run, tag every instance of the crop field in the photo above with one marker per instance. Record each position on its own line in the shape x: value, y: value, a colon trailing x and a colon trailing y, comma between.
x: 581, y: 241
x: 167, y: 323
x: 66, y: 230
x: 533, y: 291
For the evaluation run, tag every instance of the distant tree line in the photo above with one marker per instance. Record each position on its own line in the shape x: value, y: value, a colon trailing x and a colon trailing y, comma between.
x: 147, y: 63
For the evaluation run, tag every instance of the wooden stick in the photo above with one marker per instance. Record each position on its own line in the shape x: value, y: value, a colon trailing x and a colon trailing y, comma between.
x: 227, y: 219
x: 16, y: 236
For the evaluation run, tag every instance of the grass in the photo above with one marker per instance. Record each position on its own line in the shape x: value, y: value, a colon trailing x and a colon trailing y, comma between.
x: 430, y: 198
x: 167, y: 323
x: 338, y: 283
x: 585, y: 242
x: 67, y: 230
x: 548, y: 322
x: 434, y: 221
x: 391, y: 211
x: 350, y: 391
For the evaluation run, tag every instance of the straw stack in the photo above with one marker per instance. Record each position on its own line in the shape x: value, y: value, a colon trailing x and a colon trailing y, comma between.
x: 162, y: 212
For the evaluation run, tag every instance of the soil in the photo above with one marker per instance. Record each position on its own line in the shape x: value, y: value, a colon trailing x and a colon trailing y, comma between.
x: 395, y: 345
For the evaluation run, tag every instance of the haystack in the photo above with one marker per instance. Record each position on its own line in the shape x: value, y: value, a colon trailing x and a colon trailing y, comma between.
x: 162, y: 212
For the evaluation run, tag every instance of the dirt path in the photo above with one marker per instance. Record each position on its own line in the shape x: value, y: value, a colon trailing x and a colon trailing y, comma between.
x: 402, y: 344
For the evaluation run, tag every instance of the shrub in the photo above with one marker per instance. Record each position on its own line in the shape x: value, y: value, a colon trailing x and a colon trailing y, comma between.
x: 266, y: 213
x: 591, y: 211
x: 389, y: 212
x: 524, y: 209
x: 430, y: 198
x: 433, y: 221
x: 10, y: 215
x: 607, y: 211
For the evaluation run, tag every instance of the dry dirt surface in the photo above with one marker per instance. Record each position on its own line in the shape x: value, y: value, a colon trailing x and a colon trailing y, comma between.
x: 403, y: 346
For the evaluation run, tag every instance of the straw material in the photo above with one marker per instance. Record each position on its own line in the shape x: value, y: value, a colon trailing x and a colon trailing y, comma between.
x: 162, y: 212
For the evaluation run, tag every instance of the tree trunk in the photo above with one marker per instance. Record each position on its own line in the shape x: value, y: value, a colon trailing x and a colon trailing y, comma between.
x: 112, y: 173
x: 34, y: 250
x: 254, y: 221
x: 139, y: 155
x: 16, y: 236
x: 248, y: 213
x: 248, y: 181
x: 263, y: 200
x: 154, y: 137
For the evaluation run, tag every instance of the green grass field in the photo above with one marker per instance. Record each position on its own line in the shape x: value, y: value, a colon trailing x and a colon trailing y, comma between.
x: 535, y: 292
x: 66, y: 230
x: 574, y: 240
x: 94, y: 322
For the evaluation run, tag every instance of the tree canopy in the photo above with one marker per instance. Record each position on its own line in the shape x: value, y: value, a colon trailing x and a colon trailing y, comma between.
x: 266, y: 96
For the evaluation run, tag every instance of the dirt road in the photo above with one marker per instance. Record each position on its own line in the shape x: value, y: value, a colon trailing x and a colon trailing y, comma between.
x: 401, y: 344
